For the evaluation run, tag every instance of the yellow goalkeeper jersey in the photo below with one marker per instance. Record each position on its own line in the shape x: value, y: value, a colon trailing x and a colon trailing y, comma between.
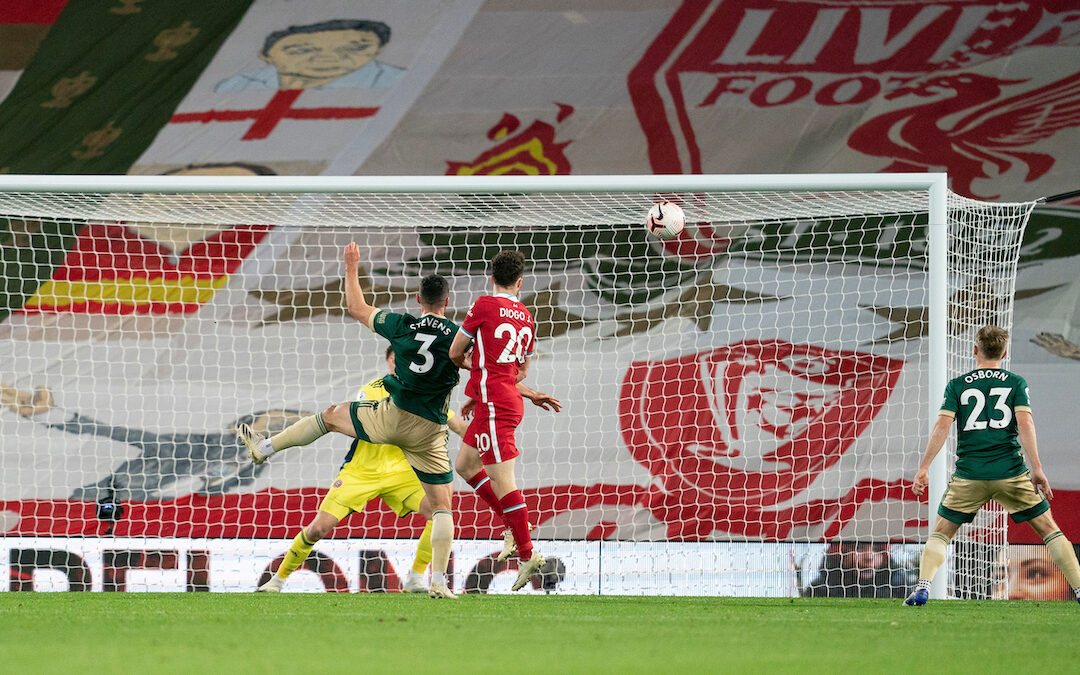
x: 376, y: 459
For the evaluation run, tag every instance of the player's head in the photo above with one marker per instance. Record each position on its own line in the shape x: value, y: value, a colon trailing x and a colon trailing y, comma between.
x: 390, y: 359
x: 991, y: 343
x: 506, y: 270
x: 329, y: 49
x: 434, y: 293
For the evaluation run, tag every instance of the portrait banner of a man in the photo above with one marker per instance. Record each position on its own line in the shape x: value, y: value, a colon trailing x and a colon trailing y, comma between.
x: 307, y: 81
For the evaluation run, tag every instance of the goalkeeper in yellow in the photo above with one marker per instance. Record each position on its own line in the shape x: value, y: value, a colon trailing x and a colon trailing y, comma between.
x: 369, y: 471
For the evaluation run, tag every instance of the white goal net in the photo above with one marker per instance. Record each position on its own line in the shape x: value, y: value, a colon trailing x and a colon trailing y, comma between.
x: 744, y: 406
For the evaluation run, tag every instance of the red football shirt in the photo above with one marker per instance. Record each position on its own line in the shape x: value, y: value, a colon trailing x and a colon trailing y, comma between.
x: 503, y: 335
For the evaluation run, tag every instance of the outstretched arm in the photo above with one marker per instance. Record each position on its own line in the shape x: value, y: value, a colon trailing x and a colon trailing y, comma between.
x: 457, y: 425
x: 545, y: 401
x: 468, y: 408
x: 1025, y: 429
x: 937, y: 438
x: 355, y: 302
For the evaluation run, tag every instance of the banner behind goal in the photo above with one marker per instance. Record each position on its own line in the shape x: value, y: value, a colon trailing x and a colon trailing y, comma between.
x: 744, y: 406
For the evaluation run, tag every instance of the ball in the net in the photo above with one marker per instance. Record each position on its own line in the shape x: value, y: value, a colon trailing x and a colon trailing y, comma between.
x: 666, y: 220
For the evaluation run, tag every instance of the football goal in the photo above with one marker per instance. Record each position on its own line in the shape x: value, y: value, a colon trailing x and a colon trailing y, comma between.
x: 744, y: 406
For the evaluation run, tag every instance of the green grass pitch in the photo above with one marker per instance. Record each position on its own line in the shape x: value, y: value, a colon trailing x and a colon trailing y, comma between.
x: 212, y: 633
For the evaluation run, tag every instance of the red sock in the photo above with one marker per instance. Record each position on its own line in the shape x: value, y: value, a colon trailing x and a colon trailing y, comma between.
x: 482, y: 484
x: 516, y: 515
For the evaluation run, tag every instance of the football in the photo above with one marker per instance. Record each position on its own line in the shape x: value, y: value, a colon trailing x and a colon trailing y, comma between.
x: 666, y: 220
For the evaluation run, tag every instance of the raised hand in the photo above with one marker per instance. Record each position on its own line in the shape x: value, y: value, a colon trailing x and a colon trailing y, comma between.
x: 352, y: 255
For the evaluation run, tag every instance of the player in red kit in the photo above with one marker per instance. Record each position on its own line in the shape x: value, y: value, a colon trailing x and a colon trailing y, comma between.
x: 503, y: 336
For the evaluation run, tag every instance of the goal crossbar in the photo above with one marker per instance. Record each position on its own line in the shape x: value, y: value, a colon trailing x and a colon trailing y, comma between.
x: 473, y: 184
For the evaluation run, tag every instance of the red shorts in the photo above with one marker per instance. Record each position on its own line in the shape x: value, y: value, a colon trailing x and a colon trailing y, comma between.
x: 492, y: 433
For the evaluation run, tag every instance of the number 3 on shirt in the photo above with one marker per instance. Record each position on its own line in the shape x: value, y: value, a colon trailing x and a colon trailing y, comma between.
x: 424, y: 352
x: 516, y: 343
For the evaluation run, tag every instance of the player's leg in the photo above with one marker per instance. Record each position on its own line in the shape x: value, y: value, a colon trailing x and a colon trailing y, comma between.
x: 470, y: 467
x: 309, y: 429
x: 933, y: 556
x: 469, y: 463
x: 1060, y: 549
x: 512, y: 504
x: 516, y: 514
x: 424, y: 444
x: 405, y: 495
x: 497, y: 448
x: 439, y: 496
x: 319, y: 527
x: 486, y: 461
x: 962, y: 500
x: 414, y: 580
x: 349, y: 493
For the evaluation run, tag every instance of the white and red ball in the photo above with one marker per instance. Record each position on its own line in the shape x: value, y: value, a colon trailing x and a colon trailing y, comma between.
x: 666, y: 220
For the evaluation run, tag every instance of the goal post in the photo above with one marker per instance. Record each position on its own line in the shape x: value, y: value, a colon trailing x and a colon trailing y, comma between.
x: 938, y: 375
x: 745, y: 405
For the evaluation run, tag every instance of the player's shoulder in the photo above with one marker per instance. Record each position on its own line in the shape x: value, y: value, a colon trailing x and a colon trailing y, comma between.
x: 511, y: 307
x: 447, y: 321
x: 1017, y: 379
x: 483, y: 302
x: 957, y: 381
x: 482, y: 307
x: 386, y: 317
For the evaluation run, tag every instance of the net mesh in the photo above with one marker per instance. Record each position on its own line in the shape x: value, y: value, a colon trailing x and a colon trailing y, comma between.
x: 983, y: 251
x: 744, y: 406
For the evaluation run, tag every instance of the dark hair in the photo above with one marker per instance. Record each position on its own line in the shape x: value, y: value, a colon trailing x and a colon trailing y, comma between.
x: 433, y: 290
x: 380, y: 29
x: 507, y: 267
x: 257, y: 169
x: 992, y: 341
x: 389, y: 351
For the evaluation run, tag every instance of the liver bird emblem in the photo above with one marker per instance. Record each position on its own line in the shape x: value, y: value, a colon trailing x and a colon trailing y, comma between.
x: 970, y: 132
